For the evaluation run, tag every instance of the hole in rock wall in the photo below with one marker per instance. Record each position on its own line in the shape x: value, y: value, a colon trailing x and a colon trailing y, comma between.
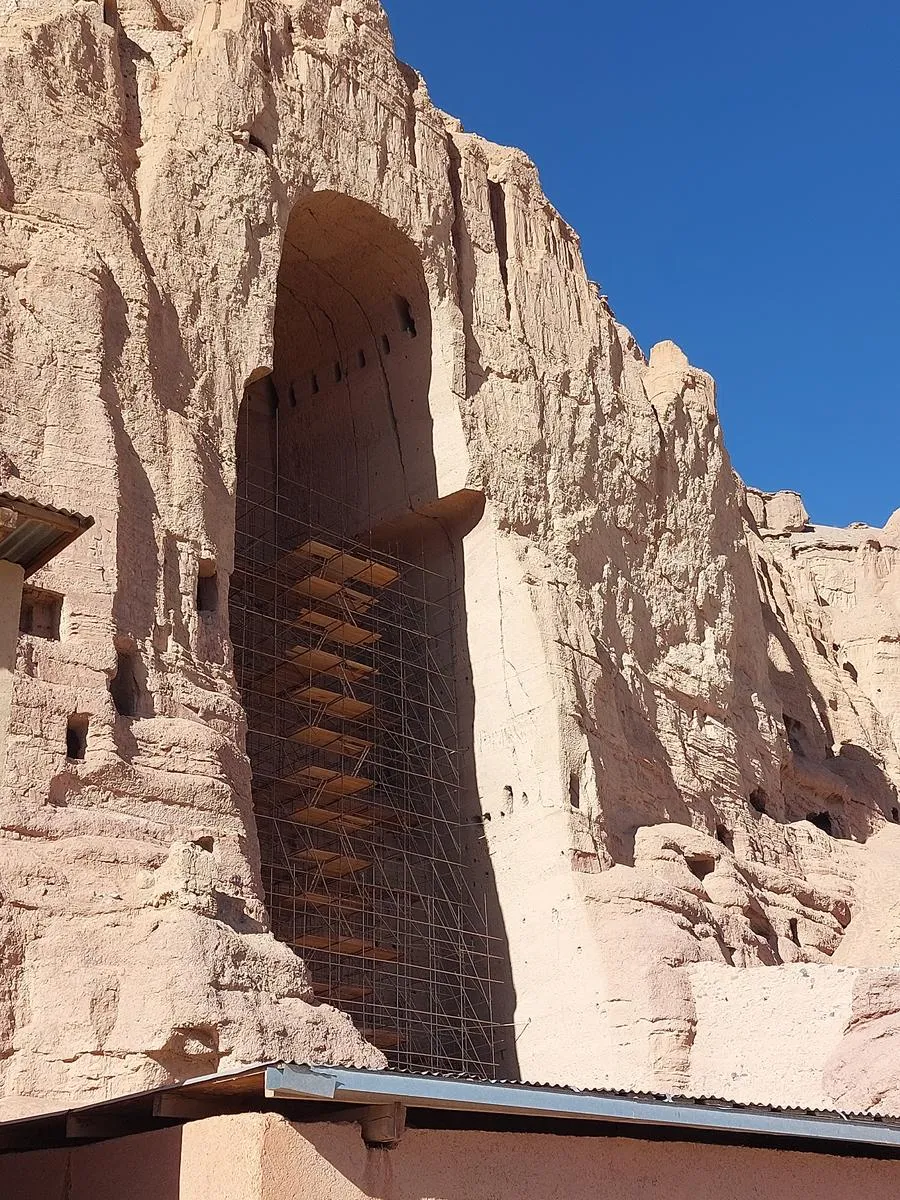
x: 207, y: 586
x: 700, y: 865
x: 41, y: 613
x: 351, y: 655
x: 851, y: 671
x: 792, y: 925
x: 725, y: 836
x: 796, y: 735
x: 758, y: 800
x: 124, y: 687
x: 405, y: 313
x: 76, y: 737
x: 574, y: 790
x: 823, y: 821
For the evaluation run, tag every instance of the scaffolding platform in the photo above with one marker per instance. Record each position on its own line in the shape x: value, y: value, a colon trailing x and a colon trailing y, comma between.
x: 327, y: 591
x: 341, y: 567
x: 335, y: 629
x: 332, y: 740
x: 316, y: 661
x: 343, y: 656
x: 327, y: 782
x: 330, y: 863
x: 334, y: 819
x: 332, y: 704
x: 384, y: 1039
x: 340, y: 993
x: 354, y: 947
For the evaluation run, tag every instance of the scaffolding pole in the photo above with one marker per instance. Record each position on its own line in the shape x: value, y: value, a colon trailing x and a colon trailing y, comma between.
x: 344, y: 660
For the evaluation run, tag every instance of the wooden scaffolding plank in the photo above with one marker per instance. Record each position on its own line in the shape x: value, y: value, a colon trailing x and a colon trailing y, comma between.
x: 330, y: 739
x: 331, y: 783
x: 315, y: 660
x: 337, y: 943
x: 341, y: 992
x: 314, y: 587
x: 332, y: 864
x: 324, y: 662
x: 336, y: 704
x: 319, y: 898
x: 330, y: 818
x: 314, y: 696
x: 343, y: 567
x: 295, y: 903
x: 348, y: 708
x: 330, y: 591
x: 316, y: 549
x: 335, y: 629
x: 312, y: 941
x: 384, y: 1039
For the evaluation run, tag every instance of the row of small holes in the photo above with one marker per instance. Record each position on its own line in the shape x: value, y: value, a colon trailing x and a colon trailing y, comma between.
x: 407, y: 324
x: 339, y: 370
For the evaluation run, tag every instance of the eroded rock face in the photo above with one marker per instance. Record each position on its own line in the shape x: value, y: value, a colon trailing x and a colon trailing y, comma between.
x: 686, y: 698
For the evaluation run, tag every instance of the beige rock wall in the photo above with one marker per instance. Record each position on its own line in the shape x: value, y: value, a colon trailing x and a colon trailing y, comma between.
x: 670, y: 673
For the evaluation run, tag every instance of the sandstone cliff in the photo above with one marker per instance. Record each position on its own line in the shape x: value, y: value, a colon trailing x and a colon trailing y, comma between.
x: 686, y: 698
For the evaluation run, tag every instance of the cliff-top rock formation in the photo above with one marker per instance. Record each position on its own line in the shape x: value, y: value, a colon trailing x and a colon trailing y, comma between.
x: 685, y: 726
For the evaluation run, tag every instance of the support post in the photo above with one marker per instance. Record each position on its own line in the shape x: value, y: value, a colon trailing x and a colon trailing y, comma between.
x: 383, y: 1125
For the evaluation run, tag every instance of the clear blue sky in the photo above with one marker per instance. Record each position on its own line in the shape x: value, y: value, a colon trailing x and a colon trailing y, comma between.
x: 734, y: 173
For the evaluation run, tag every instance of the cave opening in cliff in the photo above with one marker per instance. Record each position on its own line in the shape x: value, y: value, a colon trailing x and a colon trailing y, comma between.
x: 350, y: 650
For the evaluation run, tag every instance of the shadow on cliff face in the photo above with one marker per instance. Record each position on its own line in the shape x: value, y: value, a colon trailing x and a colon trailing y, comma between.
x: 337, y: 444
x: 842, y: 794
x: 135, y: 594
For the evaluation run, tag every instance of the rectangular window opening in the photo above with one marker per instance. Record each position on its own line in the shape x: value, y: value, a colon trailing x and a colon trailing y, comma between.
x: 207, y: 587
x: 40, y: 613
x: 76, y: 737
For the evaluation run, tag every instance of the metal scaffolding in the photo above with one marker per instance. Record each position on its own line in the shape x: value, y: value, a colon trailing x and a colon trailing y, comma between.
x: 344, y: 660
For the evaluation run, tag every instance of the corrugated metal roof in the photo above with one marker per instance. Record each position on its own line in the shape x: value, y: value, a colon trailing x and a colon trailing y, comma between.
x: 69, y: 513
x: 675, y: 1114
x: 38, y: 531
x: 312, y: 1092
x: 876, y: 1114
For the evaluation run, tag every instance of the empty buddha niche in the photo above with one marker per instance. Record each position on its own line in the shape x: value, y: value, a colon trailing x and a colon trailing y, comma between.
x: 350, y: 650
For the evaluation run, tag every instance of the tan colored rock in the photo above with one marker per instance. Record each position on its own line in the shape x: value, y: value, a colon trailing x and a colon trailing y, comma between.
x: 659, y: 657
x: 777, y: 513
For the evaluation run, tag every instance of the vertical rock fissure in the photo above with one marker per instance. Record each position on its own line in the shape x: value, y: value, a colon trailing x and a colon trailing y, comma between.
x: 497, y: 198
